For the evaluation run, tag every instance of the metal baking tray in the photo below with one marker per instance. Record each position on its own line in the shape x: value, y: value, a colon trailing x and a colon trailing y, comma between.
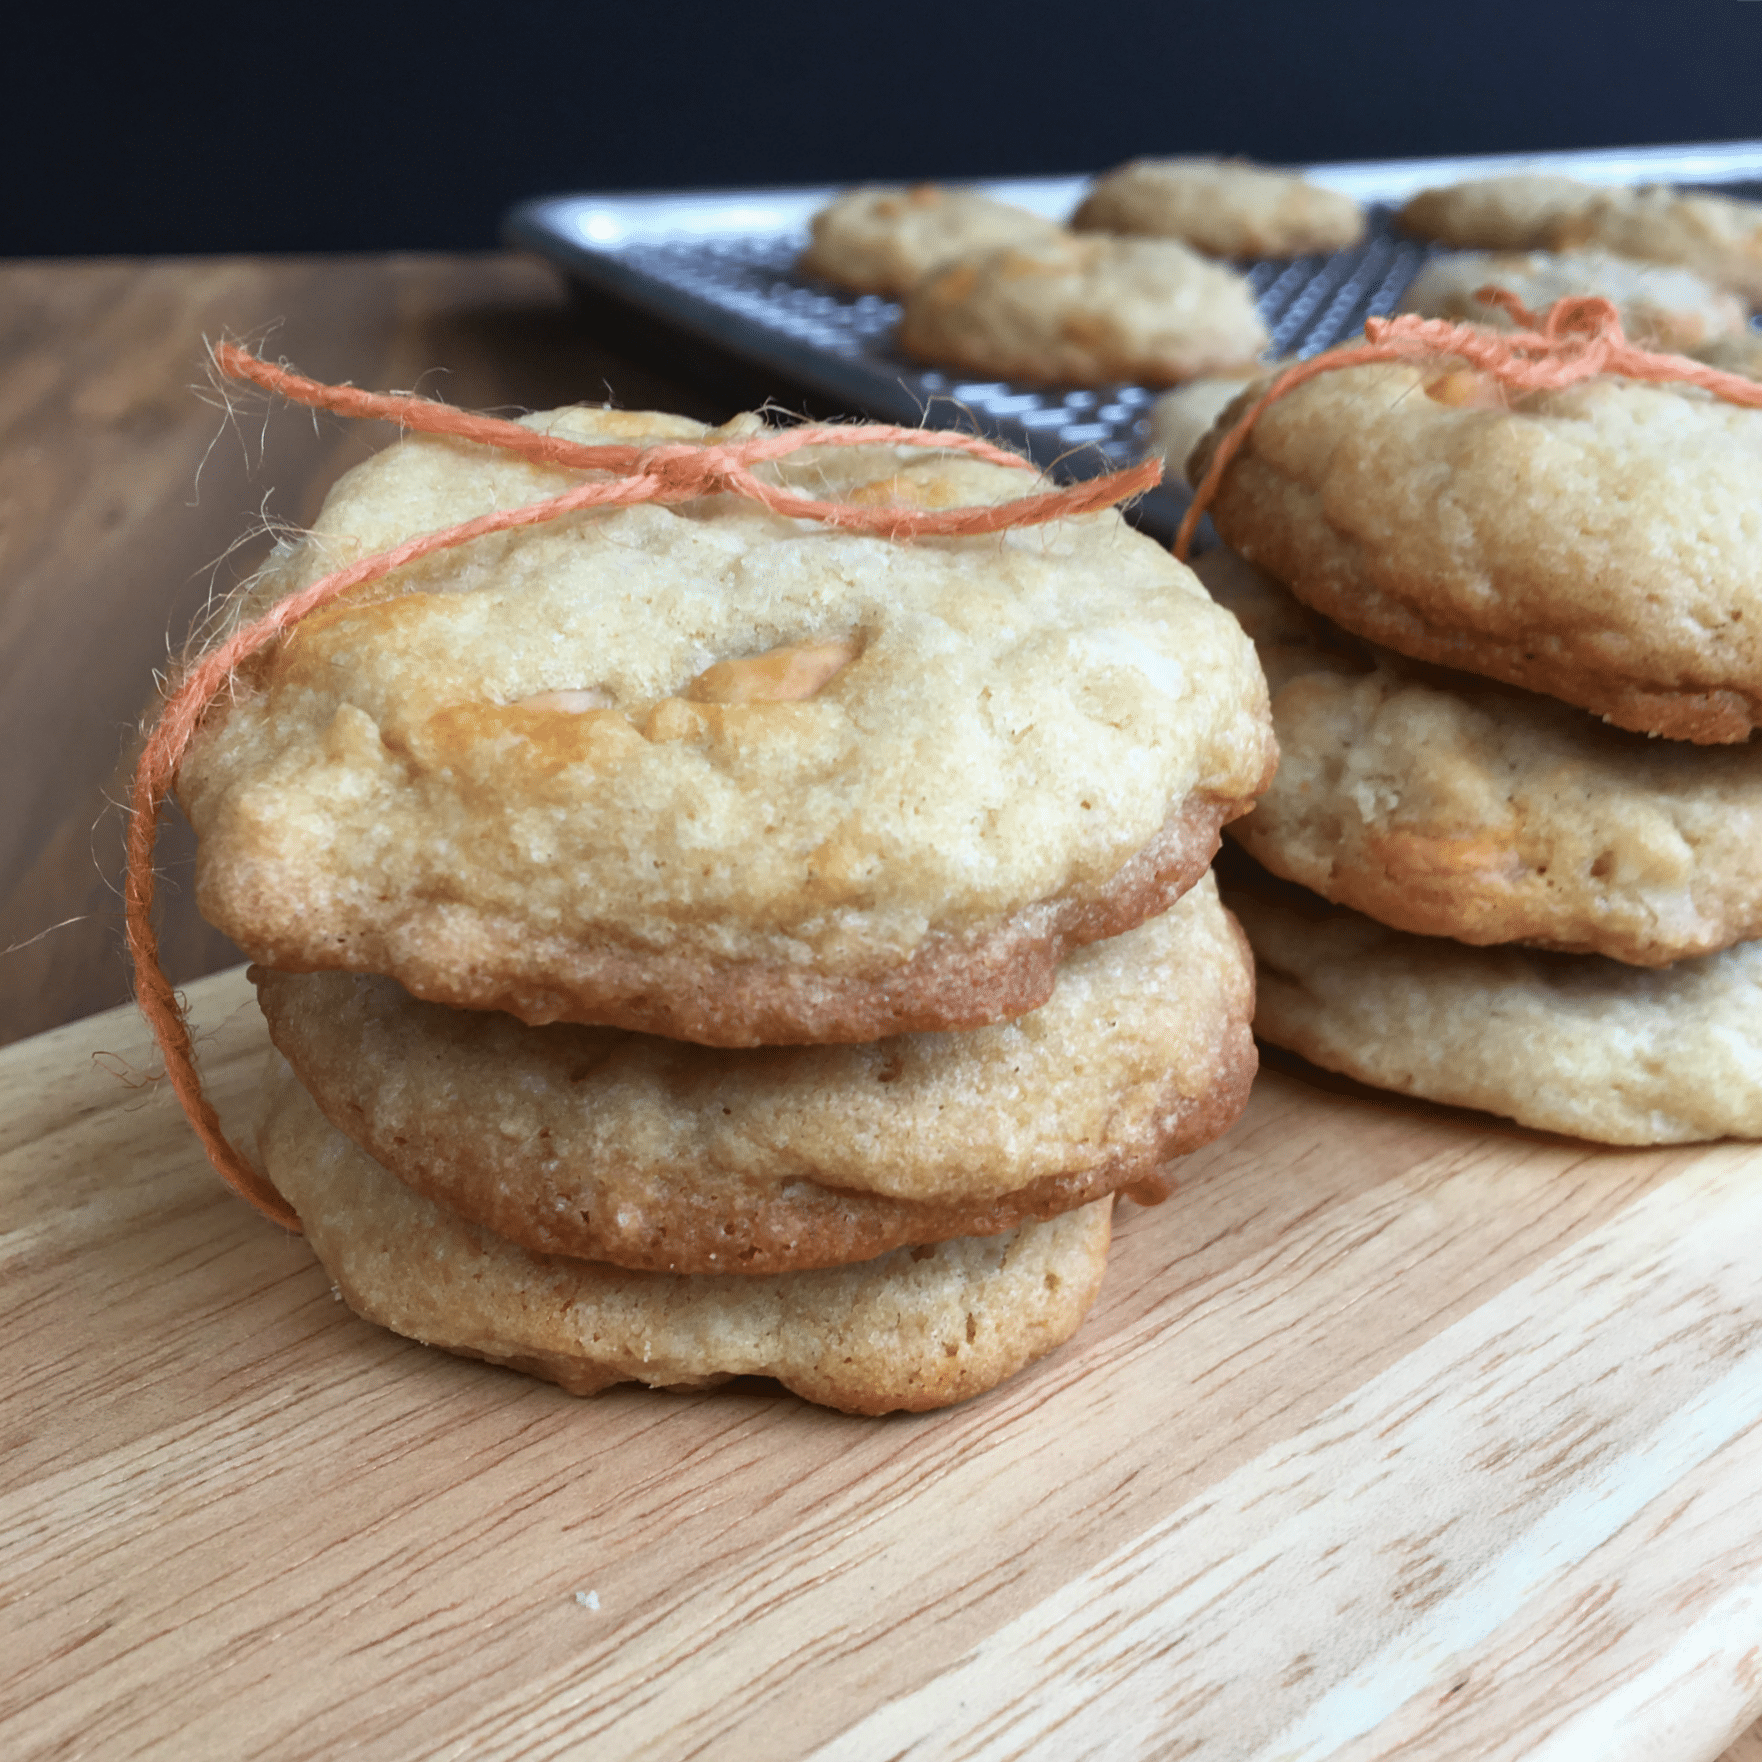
x: 715, y: 270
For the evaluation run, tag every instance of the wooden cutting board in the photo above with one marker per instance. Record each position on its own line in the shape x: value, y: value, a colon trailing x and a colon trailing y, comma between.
x: 1393, y: 1432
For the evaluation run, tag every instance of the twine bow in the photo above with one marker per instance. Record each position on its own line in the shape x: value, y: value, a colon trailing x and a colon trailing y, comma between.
x: 1579, y: 338
x: 625, y: 475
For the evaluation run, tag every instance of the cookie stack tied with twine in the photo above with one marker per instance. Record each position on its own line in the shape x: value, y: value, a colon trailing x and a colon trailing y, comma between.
x: 748, y: 912
x: 1508, y: 591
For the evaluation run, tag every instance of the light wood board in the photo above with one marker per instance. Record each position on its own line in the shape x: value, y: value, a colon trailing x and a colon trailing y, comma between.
x: 1392, y: 1433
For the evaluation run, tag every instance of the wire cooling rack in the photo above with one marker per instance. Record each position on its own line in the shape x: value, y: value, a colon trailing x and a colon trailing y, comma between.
x: 719, y: 267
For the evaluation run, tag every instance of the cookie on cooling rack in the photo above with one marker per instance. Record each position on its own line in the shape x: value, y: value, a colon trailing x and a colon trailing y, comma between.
x: 883, y: 239
x: 1596, y: 544
x: 1180, y: 419
x: 1516, y: 212
x: 661, y: 1155
x: 1094, y: 310
x: 1719, y: 237
x: 1223, y: 207
x: 704, y: 771
x: 1451, y: 806
x: 915, y: 1329
x: 1661, y: 307
x: 1561, y: 1042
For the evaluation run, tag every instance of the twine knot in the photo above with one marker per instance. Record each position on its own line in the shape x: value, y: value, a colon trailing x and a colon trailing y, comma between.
x: 1577, y: 339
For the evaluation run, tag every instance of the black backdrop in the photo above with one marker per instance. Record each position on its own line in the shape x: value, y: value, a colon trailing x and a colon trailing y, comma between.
x: 366, y: 127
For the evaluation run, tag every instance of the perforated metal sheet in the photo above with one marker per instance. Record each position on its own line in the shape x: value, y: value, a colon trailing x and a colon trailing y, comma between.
x: 721, y: 266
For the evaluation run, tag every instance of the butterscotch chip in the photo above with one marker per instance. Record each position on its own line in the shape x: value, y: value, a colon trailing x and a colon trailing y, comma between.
x: 884, y: 239
x: 1451, y: 806
x: 1032, y: 746
x: 915, y: 1329
x: 1224, y: 207
x: 1597, y: 544
x: 1719, y: 237
x: 1084, y: 311
x: 1661, y: 307
x: 658, y: 1154
x: 1517, y: 212
x: 1565, y: 1043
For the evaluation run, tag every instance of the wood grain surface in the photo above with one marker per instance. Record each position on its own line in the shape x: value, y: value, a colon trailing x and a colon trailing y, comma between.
x: 1392, y: 1433
x: 126, y: 498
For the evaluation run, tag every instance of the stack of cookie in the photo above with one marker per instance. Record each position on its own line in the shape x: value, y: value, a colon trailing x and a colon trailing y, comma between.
x: 1515, y: 652
x: 706, y: 943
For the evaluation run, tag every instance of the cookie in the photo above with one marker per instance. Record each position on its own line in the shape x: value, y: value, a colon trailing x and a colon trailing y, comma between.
x: 1516, y: 212
x: 1564, y: 1043
x: 1597, y: 544
x: 1180, y: 419
x: 1664, y: 308
x: 1719, y: 237
x: 915, y: 1329
x: 1734, y: 354
x: 1224, y: 207
x: 704, y: 771
x: 1450, y: 806
x: 661, y: 1155
x: 1084, y: 311
x: 884, y: 239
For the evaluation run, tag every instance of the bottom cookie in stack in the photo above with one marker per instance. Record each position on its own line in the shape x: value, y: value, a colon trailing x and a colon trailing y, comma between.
x: 1577, y: 1044
x: 890, y: 1226
x: 1449, y: 818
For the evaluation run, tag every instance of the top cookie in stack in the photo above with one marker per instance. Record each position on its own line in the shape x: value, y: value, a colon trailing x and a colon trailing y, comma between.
x: 1591, y: 550
x: 701, y: 771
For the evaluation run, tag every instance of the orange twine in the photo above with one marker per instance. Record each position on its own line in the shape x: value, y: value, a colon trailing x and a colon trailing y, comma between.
x: 1579, y: 338
x: 669, y: 473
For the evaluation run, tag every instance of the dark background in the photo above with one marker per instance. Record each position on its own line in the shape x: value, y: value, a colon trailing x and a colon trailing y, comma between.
x: 339, y: 128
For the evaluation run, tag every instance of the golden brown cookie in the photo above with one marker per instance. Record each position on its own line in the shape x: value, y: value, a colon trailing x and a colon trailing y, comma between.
x: 883, y: 239
x: 918, y: 1328
x: 1180, y: 419
x: 1450, y: 806
x: 657, y: 1154
x: 1598, y: 544
x: 1517, y: 212
x: 705, y: 771
x: 1562, y: 1042
x: 1084, y: 311
x: 1662, y: 307
x: 1224, y: 207
x: 1719, y: 237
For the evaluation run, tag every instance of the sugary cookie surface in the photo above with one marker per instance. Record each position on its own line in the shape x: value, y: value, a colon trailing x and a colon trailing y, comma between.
x: 617, y: 767
x: 1085, y: 311
x: 1599, y: 544
x: 1223, y: 207
x: 1451, y: 806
